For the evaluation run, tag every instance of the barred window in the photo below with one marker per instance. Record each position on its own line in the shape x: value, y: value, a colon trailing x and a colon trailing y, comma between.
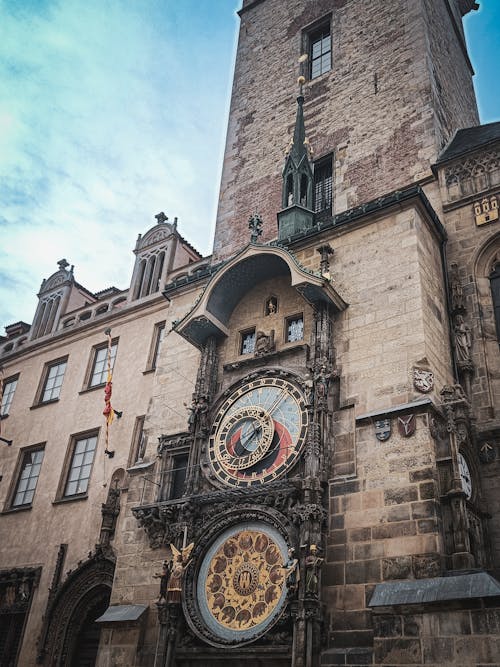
x: 247, y: 342
x: 323, y: 185
x: 294, y: 328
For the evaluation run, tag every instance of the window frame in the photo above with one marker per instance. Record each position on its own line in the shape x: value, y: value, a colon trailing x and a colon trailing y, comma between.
x: 159, y: 333
x: 5, y: 382
x: 39, y: 400
x: 494, y: 290
x: 62, y: 496
x: 92, y: 363
x: 241, y: 341
x: 320, y: 165
x: 137, y: 436
x: 322, y: 25
x: 290, y: 318
x: 16, y: 478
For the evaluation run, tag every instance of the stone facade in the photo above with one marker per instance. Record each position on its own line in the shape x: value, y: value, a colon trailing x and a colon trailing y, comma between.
x: 316, y: 479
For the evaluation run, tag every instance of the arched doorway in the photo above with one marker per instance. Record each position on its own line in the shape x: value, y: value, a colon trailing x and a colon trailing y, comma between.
x: 86, y: 632
x: 71, y: 638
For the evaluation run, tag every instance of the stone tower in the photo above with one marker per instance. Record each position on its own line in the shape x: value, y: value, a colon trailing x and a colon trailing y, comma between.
x: 392, y: 85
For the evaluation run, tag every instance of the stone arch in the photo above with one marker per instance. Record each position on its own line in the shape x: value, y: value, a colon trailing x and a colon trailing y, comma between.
x: 79, y: 601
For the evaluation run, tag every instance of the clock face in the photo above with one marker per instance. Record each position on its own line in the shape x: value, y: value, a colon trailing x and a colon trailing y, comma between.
x: 465, y: 476
x: 258, y: 432
x: 241, y: 584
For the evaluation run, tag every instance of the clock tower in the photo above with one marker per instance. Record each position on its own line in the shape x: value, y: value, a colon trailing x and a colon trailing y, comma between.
x: 322, y: 502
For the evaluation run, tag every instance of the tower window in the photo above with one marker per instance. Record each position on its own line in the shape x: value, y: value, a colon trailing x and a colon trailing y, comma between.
x: 323, y: 185
x: 179, y: 471
x: 247, y: 342
x: 495, y: 295
x: 294, y: 328
x: 320, y: 51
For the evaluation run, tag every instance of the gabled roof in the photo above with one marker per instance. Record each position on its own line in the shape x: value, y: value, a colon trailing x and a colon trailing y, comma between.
x: 470, y: 139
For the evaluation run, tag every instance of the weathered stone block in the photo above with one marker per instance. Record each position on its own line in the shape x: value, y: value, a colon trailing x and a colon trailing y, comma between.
x: 363, y: 571
x: 398, y: 496
x: 387, y: 625
x: 397, y: 652
x: 396, y: 568
x: 426, y: 566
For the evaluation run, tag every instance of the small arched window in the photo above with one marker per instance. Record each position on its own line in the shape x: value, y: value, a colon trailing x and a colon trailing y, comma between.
x: 495, y: 295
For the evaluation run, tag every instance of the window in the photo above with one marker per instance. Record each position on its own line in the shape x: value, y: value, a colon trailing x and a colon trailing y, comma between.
x: 247, y: 345
x: 138, y: 441
x: 28, y: 477
x: 158, y: 336
x: 320, y: 51
x: 179, y: 471
x: 9, y: 387
x: 323, y: 185
x: 495, y: 295
x: 294, y: 328
x: 82, y: 457
x: 99, y: 371
x: 54, y: 375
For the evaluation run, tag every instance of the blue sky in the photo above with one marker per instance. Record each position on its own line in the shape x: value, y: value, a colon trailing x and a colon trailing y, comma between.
x: 113, y: 110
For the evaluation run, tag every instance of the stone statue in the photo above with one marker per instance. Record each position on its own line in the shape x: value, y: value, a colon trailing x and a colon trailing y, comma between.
x: 271, y: 306
x: 322, y: 382
x: 179, y: 563
x: 463, y: 340
x: 292, y: 572
x: 313, y: 564
x: 164, y: 577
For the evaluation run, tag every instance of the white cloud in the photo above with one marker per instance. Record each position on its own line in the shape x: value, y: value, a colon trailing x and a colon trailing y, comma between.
x: 103, y: 122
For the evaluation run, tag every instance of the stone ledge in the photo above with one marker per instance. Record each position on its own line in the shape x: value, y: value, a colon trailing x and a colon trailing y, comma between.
x: 439, y: 589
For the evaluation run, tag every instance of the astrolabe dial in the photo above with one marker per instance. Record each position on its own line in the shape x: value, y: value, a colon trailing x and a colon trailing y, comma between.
x: 258, y: 432
x: 241, y: 586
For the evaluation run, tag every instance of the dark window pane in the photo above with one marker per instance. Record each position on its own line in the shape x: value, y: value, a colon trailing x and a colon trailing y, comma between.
x: 178, y: 476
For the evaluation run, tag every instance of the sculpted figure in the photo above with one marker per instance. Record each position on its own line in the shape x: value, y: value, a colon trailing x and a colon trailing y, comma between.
x: 313, y: 564
x: 180, y: 562
x: 292, y: 573
x: 463, y: 340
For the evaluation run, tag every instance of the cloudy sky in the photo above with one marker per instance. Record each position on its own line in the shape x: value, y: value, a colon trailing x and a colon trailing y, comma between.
x: 113, y: 110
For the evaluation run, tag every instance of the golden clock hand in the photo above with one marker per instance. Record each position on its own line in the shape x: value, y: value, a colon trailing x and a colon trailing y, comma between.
x: 283, y: 394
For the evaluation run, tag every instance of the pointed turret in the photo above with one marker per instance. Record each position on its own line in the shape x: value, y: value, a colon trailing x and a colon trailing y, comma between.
x: 297, y: 199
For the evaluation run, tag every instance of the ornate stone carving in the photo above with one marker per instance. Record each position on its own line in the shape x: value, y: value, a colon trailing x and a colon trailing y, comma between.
x: 478, y: 168
x: 70, y: 606
x: 16, y: 588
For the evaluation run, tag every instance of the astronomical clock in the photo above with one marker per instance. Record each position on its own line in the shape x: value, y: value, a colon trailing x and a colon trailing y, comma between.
x: 258, y: 433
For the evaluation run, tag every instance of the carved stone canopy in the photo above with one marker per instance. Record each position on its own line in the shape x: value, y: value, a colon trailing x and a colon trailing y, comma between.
x: 210, y: 316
